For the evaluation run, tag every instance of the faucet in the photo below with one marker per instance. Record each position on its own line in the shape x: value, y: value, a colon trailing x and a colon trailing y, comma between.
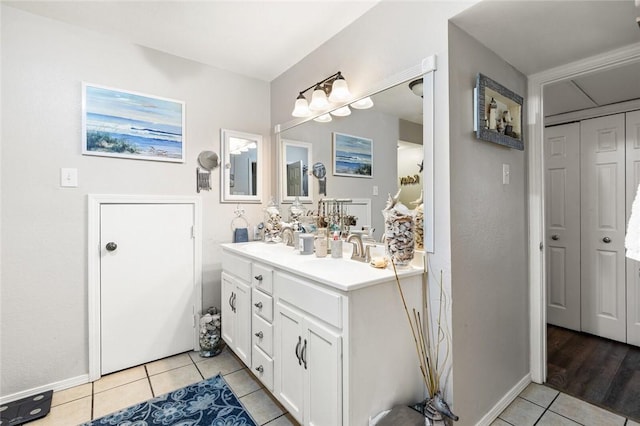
x: 358, y: 249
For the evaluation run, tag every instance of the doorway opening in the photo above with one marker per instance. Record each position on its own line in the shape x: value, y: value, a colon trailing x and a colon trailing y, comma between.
x: 558, y: 354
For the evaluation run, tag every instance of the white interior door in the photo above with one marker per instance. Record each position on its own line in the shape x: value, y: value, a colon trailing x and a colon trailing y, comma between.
x: 294, y: 178
x: 603, y: 226
x: 633, y: 267
x: 147, y: 283
x: 562, y: 218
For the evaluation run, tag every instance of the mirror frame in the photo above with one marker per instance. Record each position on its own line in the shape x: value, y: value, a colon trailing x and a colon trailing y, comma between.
x: 424, y: 69
x: 225, y: 170
x: 283, y: 171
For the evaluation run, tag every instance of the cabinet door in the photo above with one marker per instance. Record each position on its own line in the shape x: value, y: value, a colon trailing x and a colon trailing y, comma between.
x: 288, y: 372
x: 322, y: 363
x: 228, y: 316
x: 243, y: 322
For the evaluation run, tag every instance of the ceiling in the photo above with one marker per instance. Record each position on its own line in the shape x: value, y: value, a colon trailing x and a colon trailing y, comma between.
x: 535, y: 36
x: 262, y: 39
x: 259, y: 39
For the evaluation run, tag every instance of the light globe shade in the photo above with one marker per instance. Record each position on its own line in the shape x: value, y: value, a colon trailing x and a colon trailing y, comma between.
x: 342, y: 112
x: 324, y: 118
x: 363, y: 103
x: 339, y: 91
x: 301, y: 108
x: 319, y: 100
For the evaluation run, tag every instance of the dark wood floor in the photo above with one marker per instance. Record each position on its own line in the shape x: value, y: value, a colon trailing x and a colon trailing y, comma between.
x: 596, y: 370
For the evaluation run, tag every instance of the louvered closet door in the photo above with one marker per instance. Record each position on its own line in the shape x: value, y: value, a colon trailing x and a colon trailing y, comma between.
x: 633, y: 267
x: 603, y: 226
x: 562, y: 217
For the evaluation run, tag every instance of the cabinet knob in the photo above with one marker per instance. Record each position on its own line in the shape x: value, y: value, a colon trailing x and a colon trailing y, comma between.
x: 606, y: 240
x: 258, y: 305
x: 258, y: 277
x: 555, y: 237
x: 259, y: 335
x: 111, y: 246
x: 260, y: 369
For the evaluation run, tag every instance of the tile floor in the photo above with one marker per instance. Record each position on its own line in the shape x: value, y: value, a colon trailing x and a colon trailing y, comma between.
x: 543, y: 406
x: 536, y: 405
x: 128, y: 387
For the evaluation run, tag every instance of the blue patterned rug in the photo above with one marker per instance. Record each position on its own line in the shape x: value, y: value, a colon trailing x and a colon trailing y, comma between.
x: 207, y: 403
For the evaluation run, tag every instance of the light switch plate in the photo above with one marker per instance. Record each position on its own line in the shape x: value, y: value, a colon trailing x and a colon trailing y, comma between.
x: 506, y: 172
x: 68, y: 178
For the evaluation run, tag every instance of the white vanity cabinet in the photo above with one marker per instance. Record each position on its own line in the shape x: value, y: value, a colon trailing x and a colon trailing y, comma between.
x: 308, y: 354
x: 236, y: 316
x: 330, y: 337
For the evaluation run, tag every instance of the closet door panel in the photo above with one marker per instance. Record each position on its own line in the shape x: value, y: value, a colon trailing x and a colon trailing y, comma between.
x: 603, y: 225
x: 562, y: 216
x: 633, y: 267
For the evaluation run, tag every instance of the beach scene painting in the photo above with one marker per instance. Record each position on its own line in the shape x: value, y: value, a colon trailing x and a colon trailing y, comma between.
x: 352, y: 156
x: 117, y: 123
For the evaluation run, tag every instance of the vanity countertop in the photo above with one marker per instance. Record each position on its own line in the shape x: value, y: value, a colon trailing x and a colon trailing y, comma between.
x: 342, y: 274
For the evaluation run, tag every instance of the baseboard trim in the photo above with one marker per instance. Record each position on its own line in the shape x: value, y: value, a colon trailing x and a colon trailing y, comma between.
x: 55, y: 386
x: 505, y: 401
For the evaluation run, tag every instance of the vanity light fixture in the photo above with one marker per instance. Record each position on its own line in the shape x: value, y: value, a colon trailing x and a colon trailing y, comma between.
x: 342, y: 112
x: 335, y: 86
x: 364, y: 103
x: 324, y: 118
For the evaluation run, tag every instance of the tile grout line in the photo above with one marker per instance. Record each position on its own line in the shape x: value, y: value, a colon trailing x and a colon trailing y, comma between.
x: 153, y: 394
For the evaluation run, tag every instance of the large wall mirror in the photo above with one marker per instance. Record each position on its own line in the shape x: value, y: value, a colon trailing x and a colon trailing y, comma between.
x: 295, y: 179
x: 242, y: 167
x: 400, y: 126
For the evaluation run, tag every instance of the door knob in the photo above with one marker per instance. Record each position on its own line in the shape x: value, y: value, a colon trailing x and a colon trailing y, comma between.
x: 606, y: 240
x: 111, y: 246
x: 555, y: 237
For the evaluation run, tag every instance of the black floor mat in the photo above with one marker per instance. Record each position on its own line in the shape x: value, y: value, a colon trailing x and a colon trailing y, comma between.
x: 26, y: 409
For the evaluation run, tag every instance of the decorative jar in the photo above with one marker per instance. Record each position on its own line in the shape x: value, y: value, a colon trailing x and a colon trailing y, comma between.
x: 211, y: 343
x: 272, y: 223
x: 399, y: 235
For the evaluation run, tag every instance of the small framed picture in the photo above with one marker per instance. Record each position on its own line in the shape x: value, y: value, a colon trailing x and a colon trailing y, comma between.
x: 118, y: 123
x: 352, y: 156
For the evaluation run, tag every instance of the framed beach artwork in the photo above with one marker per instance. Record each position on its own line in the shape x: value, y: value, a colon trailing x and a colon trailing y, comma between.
x: 352, y: 156
x: 118, y: 123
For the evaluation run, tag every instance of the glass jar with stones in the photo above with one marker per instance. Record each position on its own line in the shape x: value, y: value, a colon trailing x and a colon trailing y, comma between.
x: 272, y: 223
x: 211, y: 343
x: 399, y: 234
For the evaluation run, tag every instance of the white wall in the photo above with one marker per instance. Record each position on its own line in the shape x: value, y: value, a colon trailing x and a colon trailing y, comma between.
x: 488, y: 241
x: 44, y: 335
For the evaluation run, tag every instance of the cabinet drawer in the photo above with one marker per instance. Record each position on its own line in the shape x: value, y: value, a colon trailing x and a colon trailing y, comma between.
x: 237, y: 266
x: 262, y: 305
x: 315, y: 300
x: 263, y: 367
x: 263, y: 278
x: 262, y: 334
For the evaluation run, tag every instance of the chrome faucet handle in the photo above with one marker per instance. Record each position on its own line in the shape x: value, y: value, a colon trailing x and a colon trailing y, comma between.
x: 367, y: 252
